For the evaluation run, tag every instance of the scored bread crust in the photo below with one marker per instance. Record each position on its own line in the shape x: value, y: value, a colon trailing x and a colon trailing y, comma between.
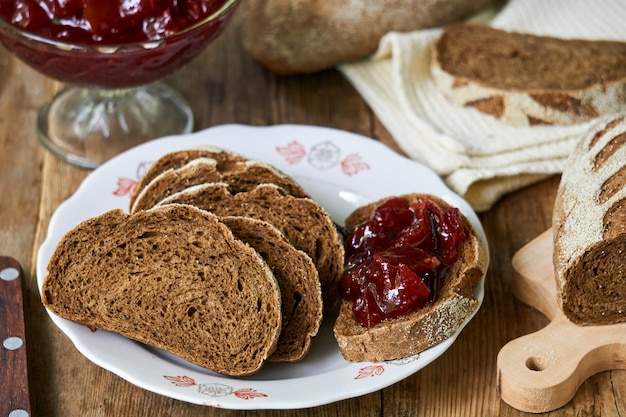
x: 413, y: 333
x: 177, y: 159
x: 524, y: 79
x: 303, y: 222
x: 175, y: 278
x: 298, y: 280
x: 589, y: 227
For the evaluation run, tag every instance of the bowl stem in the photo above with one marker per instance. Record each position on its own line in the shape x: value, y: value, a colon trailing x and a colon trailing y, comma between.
x: 87, y: 126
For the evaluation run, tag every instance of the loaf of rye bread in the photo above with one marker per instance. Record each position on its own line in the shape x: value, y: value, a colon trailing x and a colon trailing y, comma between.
x: 414, y: 332
x: 240, y: 176
x: 298, y: 280
x: 303, y: 222
x: 173, y: 160
x: 524, y: 79
x: 304, y: 36
x: 589, y: 227
x: 173, y: 277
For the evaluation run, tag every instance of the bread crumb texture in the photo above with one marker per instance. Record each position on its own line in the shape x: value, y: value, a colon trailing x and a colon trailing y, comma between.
x: 174, y: 278
x: 524, y: 79
x: 303, y: 222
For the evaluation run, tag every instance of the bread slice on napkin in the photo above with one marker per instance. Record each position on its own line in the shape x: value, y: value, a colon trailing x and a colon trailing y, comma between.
x: 177, y: 159
x: 240, y: 175
x: 173, y: 277
x: 410, y: 334
x: 524, y: 79
x: 298, y: 281
x: 303, y: 222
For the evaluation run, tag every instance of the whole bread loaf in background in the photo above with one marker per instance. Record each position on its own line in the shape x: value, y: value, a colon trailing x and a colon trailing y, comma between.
x: 303, y: 36
x: 524, y: 80
x: 589, y: 227
x: 412, y: 333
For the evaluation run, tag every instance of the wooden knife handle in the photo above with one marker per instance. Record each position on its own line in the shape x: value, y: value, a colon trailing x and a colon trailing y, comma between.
x: 15, y: 398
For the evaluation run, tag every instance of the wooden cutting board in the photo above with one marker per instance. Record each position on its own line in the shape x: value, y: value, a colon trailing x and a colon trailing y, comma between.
x: 542, y: 371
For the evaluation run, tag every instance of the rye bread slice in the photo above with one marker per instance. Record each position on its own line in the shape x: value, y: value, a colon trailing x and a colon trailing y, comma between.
x: 524, y: 79
x: 175, y: 278
x: 240, y: 176
x: 303, y: 222
x: 177, y: 159
x: 413, y: 333
x: 298, y: 281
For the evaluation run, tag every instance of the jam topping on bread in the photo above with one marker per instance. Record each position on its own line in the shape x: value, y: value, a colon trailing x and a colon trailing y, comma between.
x: 420, y: 328
x: 397, y: 258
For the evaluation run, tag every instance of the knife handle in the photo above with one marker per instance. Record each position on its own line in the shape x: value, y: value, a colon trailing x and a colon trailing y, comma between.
x: 15, y: 398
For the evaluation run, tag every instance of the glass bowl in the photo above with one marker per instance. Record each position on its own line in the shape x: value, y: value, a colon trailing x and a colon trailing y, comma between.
x: 113, y: 100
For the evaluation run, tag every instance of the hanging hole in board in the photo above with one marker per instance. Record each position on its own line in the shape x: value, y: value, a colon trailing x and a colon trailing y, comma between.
x: 536, y: 363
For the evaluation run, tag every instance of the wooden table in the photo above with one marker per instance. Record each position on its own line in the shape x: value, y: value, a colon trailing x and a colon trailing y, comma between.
x: 225, y: 85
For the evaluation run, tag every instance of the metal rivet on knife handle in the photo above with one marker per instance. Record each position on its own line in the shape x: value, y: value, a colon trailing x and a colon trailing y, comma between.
x: 9, y: 274
x: 15, y: 399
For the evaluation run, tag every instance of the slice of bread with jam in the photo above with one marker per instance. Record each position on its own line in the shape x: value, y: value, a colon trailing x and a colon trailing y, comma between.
x: 438, y: 319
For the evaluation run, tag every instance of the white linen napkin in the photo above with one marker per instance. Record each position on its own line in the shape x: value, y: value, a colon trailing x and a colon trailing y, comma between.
x: 479, y: 157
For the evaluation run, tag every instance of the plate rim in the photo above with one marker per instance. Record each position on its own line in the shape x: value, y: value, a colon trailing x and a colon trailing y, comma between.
x: 287, y: 130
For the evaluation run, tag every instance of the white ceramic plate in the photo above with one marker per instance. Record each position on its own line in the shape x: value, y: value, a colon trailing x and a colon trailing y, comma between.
x: 341, y: 171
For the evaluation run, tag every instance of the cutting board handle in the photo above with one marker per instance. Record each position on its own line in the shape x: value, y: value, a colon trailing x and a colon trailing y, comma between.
x: 542, y: 371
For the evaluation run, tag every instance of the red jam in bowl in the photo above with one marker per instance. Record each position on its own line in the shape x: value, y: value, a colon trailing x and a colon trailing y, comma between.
x: 396, y: 260
x: 110, y: 43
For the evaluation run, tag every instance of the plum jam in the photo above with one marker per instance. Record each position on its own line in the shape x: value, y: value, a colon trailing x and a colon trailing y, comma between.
x: 107, y: 22
x: 110, y: 43
x: 396, y: 260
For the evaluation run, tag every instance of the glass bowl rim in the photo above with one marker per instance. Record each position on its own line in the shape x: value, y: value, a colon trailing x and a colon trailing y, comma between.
x: 112, y: 48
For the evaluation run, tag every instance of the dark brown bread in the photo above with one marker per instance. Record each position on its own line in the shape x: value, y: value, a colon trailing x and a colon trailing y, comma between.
x: 172, y: 277
x: 240, y: 176
x: 177, y: 159
x: 303, y: 36
x: 523, y: 79
x: 589, y: 227
x: 298, y: 281
x: 411, y: 334
x: 303, y: 222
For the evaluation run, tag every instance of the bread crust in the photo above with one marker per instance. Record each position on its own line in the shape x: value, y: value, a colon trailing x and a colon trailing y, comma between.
x: 413, y: 333
x: 304, y: 36
x: 241, y: 176
x: 152, y: 277
x: 524, y: 79
x: 177, y: 159
x: 589, y: 227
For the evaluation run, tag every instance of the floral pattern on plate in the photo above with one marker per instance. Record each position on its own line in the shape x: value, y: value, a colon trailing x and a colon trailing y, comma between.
x: 341, y: 171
